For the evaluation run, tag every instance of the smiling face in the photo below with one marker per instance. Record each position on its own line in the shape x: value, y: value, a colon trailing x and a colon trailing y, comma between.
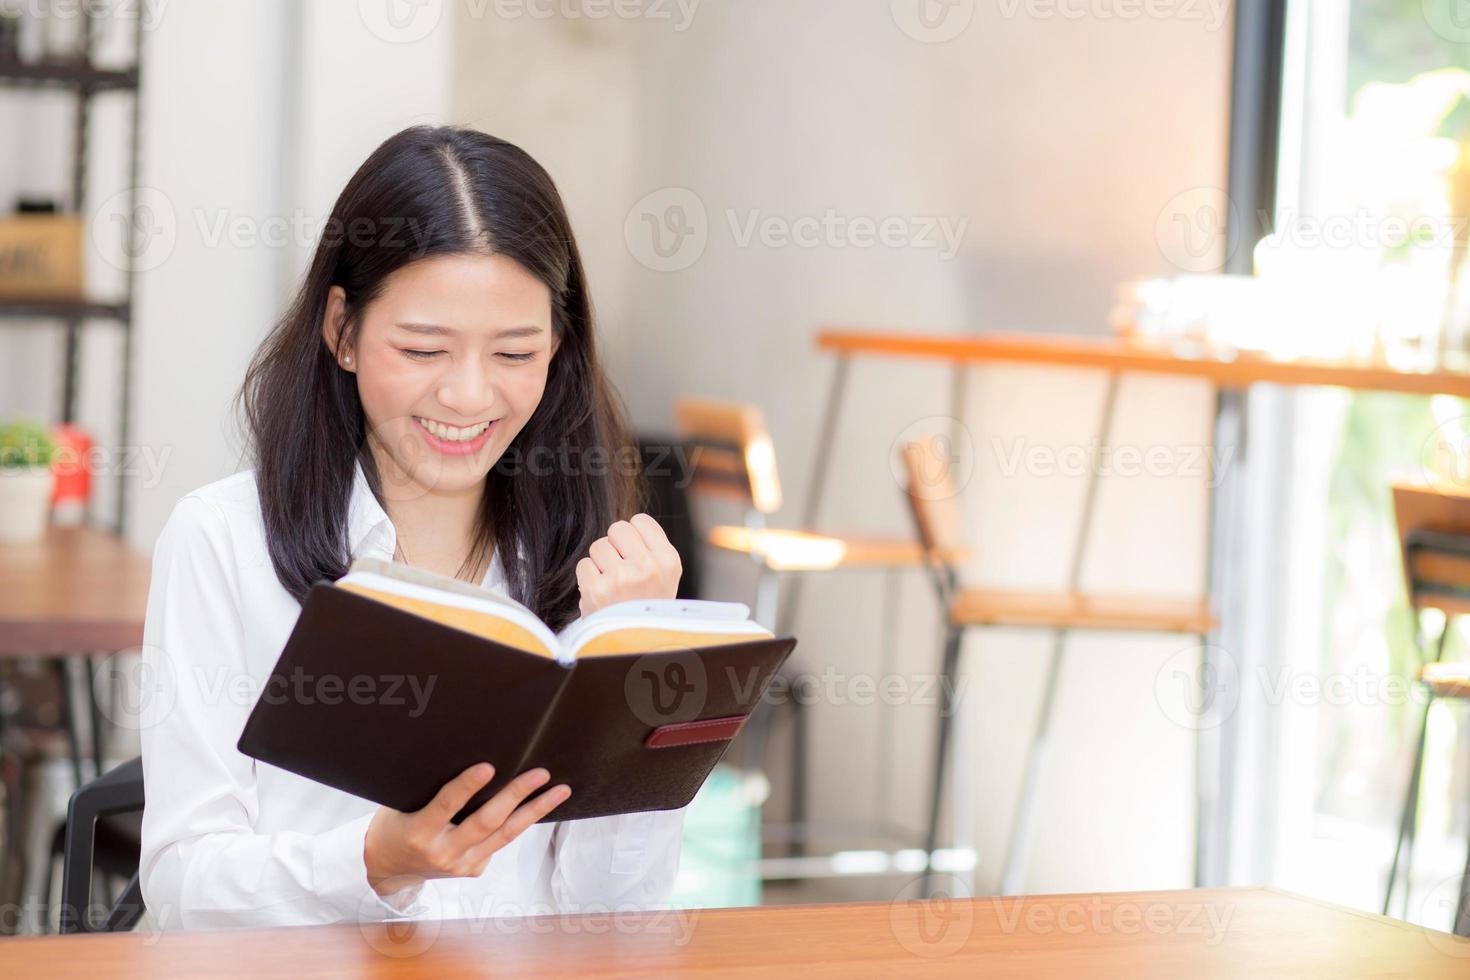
x: 451, y: 360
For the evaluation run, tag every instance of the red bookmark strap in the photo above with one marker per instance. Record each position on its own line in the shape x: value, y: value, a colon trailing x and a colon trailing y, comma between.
x: 694, y: 732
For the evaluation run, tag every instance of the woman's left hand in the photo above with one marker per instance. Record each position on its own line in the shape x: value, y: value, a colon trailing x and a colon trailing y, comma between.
x: 634, y: 561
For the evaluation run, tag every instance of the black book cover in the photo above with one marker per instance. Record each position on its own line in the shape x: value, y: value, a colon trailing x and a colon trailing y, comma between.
x: 389, y: 706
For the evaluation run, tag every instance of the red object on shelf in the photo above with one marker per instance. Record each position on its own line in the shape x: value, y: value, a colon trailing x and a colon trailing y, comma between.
x: 71, y: 467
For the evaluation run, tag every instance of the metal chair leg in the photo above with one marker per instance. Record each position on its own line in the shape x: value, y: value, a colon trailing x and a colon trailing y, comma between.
x: 1408, y: 816
x: 69, y: 717
x: 799, y: 745
x: 1015, y: 867
x: 948, y: 670
x: 772, y: 613
x: 97, y: 717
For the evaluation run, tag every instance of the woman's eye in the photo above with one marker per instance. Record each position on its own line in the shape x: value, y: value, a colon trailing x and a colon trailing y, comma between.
x: 423, y: 355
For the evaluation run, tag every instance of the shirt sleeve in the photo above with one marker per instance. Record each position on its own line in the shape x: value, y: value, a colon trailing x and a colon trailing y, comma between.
x: 616, y: 863
x: 201, y: 864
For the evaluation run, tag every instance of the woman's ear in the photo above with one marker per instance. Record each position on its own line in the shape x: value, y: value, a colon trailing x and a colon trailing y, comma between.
x: 333, y: 321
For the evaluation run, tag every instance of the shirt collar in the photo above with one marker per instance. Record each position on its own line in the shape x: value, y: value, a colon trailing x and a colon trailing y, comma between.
x: 367, y: 521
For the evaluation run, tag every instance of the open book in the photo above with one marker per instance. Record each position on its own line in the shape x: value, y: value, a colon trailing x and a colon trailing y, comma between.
x: 394, y: 680
x: 628, y: 627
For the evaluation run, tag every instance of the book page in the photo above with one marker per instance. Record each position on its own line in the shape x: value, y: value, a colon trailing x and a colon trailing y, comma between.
x: 400, y: 572
x: 479, y: 622
x: 458, y: 604
x: 646, y: 639
x: 646, y: 626
x: 639, y: 626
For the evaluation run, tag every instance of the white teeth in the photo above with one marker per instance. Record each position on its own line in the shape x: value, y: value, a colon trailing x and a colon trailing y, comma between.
x: 452, y: 433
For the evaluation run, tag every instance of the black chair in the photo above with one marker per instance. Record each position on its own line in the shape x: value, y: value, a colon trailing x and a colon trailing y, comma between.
x: 102, y: 822
x: 666, y: 500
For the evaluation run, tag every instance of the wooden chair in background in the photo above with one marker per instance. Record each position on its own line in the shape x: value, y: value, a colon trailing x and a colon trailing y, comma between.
x: 933, y: 501
x: 1434, y: 538
x: 731, y: 457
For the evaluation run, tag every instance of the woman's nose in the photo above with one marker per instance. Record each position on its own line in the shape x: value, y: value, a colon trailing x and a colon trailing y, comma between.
x: 468, y: 391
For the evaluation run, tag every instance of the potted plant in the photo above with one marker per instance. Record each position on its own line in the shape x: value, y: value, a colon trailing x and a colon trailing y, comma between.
x: 26, y: 450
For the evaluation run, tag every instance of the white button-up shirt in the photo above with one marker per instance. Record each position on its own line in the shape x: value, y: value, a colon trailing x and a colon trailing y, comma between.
x: 229, y: 841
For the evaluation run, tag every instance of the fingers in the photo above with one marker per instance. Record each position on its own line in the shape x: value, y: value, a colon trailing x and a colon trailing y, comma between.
x: 630, y: 544
x: 518, y: 822
x: 604, y: 556
x: 651, y: 531
x: 639, y: 540
x: 665, y: 556
x: 453, y: 795
x: 586, y: 572
x: 634, y: 561
x: 493, y: 812
x: 590, y: 586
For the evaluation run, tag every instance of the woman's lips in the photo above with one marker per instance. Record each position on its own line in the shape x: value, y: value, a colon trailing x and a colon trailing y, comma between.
x: 450, y: 447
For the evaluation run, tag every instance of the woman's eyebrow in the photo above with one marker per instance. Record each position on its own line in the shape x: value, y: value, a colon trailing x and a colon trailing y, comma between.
x: 526, y: 331
x: 438, y: 330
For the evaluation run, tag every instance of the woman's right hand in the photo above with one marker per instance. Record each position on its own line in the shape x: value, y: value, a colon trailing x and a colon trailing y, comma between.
x: 403, y: 848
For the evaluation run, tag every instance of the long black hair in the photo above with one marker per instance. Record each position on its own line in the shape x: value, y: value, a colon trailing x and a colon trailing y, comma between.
x: 434, y: 191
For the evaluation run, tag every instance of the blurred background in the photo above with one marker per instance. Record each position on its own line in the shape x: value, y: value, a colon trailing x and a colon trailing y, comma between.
x: 1173, y: 287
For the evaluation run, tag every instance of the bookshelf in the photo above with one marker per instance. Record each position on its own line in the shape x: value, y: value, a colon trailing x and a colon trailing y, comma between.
x: 79, y: 76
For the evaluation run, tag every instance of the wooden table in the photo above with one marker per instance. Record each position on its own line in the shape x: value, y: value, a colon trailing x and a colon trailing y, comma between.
x: 74, y: 593
x: 76, y: 590
x: 1231, y: 372
x: 1226, y: 368
x: 1235, y: 933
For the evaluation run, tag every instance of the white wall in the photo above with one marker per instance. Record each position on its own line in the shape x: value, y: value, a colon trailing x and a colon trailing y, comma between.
x: 211, y: 142
x: 1060, y: 141
x: 565, y: 92
x: 254, y: 117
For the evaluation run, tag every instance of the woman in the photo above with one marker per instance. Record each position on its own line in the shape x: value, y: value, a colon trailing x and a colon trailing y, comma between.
x: 433, y: 395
